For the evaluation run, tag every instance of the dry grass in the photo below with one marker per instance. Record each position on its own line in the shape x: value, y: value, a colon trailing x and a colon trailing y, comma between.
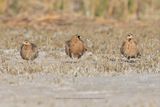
x: 103, y: 40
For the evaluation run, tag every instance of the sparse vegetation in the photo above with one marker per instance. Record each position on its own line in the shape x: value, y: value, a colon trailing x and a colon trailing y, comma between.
x: 103, y: 55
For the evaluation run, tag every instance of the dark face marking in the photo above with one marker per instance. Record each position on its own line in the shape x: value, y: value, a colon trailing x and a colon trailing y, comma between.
x: 78, y: 36
x: 129, y: 36
x: 129, y: 39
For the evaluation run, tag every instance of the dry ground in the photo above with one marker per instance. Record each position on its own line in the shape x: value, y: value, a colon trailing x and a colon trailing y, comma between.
x: 101, y: 76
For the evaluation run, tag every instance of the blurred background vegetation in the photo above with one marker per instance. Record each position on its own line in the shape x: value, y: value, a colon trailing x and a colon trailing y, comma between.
x: 117, y: 9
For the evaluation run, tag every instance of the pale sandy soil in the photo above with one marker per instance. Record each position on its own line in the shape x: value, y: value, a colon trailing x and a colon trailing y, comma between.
x: 49, y: 90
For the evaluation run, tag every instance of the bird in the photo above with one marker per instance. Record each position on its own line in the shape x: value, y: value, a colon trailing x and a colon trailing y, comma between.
x: 130, y: 47
x: 75, y: 47
x: 28, y: 50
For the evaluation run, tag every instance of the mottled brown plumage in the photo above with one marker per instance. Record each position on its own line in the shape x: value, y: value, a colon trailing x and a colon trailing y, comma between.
x: 29, y: 51
x: 75, y: 47
x: 130, y: 48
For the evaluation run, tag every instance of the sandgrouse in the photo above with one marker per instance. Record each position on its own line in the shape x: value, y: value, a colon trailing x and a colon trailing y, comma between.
x: 29, y: 51
x: 130, y: 47
x: 75, y: 47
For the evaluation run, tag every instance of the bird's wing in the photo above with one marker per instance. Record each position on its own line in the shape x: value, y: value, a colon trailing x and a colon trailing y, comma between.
x: 21, y: 49
x: 122, y: 47
x: 35, y: 51
x: 67, y: 47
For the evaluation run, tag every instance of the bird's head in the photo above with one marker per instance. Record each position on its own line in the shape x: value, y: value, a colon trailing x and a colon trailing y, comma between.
x: 129, y: 36
x: 26, y: 42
